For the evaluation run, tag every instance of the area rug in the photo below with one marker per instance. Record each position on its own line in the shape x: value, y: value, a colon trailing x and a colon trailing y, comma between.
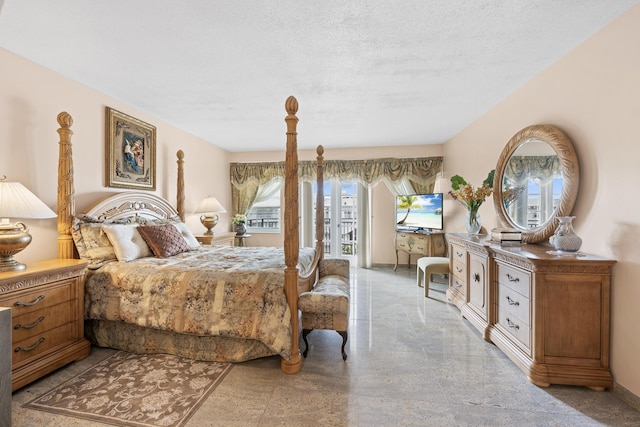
x: 136, y: 390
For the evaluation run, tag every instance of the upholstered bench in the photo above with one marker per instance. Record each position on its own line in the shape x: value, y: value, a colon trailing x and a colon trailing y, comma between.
x: 426, y: 266
x: 326, y: 305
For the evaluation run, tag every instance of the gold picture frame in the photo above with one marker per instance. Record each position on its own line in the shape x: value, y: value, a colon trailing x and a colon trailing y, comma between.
x: 130, y: 152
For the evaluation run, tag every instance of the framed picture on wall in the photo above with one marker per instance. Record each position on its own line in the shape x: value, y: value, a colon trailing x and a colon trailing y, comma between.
x: 130, y: 152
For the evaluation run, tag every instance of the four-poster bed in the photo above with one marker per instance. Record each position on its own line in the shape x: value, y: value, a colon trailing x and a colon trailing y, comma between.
x: 146, y: 315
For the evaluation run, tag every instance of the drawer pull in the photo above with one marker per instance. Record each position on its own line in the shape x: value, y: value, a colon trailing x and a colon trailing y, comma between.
x: 18, y: 349
x: 512, y: 325
x: 512, y: 302
x: 512, y: 279
x: 28, y: 304
x: 457, y: 284
x: 476, y: 277
x: 458, y: 269
x: 459, y: 254
x: 18, y: 326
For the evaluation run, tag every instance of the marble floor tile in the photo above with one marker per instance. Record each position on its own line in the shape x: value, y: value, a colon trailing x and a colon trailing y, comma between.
x: 412, y: 361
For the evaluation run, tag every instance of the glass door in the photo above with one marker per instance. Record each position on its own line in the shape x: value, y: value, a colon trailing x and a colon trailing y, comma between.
x: 340, y: 220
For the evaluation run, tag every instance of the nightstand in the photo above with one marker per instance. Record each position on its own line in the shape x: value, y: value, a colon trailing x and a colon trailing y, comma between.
x: 47, y: 316
x: 241, y: 239
x: 218, y: 239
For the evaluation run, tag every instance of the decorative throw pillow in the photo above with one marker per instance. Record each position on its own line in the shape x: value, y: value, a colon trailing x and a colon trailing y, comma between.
x: 92, y: 243
x: 191, y: 240
x: 164, y: 240
x: 127, y: 243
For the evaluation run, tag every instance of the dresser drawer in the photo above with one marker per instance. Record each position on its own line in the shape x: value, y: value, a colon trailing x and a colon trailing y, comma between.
x: 515, y: 303
x: 35, y: 345
x: 517, y: 328
x: 32, y: 324
x: 459, y: 270
x: 514, y: 278
x: 29, y: 301
x: 459, y: 254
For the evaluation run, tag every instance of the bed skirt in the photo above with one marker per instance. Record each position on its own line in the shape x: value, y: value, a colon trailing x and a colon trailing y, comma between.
x: 141, y: 340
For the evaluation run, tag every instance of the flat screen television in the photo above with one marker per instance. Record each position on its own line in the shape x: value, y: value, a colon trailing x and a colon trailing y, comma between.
x: 419, y: 212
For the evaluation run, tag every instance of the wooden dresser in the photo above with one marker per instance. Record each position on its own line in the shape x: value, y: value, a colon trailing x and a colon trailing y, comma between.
x: 47, y: 304
x: 218, y: 239
x: 422, y: 244
x: 549, y: 314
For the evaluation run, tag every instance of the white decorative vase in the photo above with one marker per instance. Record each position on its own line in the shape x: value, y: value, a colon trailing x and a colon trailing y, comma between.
x: 472, y: 222
x: 565, y: 238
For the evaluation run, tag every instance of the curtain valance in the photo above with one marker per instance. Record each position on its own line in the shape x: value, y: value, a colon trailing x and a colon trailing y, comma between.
x: 420, y: 170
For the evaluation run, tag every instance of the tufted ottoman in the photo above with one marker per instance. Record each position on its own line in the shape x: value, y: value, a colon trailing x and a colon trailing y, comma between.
x: 326, y: 305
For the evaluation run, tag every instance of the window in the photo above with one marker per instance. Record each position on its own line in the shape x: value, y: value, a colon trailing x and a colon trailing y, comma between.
x: 264, y: 215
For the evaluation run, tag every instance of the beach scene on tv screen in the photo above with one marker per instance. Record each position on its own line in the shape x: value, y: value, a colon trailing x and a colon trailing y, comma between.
x: 419, y: 211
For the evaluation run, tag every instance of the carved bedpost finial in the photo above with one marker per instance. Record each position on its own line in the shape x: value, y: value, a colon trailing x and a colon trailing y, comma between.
x: 291, y: 105
x: 65, y: 120
x: 320, y: 150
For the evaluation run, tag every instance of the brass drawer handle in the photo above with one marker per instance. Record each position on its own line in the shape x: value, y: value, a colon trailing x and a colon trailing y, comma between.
x: 512, y: 279
x: 18, y: 326
x: 512, y: 325
x: 28, y: 304
x: 512, y: 302
x: 18, y: 349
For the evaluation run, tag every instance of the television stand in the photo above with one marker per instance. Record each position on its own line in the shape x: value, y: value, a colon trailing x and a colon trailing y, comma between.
x: 422, y: 243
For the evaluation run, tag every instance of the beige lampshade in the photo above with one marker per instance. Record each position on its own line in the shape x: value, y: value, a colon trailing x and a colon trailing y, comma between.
x: 210, y: 207
x: 16, y: 201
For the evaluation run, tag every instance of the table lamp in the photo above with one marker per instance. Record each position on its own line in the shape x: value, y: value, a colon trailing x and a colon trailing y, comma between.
x: 210, y: 207
x: 16, y: 201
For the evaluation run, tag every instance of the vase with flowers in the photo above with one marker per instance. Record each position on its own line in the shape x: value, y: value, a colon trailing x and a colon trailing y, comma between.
x: 239, y: 221
x: 471, y: 199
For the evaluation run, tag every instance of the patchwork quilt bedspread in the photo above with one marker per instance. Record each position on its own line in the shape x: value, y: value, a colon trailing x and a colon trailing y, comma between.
x: 213, y: 290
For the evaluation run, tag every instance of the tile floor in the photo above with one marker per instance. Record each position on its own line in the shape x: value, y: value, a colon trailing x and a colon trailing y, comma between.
x: 412, y: 361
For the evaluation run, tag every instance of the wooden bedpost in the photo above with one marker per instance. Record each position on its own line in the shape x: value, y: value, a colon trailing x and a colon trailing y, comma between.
x: 180, y: 201
x: 66, y: 202
x: 291, y: 238
x: 320, y: 203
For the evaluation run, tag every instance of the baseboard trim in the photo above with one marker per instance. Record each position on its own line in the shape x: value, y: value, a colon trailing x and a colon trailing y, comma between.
x: 628, y: 397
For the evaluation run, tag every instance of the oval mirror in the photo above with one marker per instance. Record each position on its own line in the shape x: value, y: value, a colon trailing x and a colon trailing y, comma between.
x: 536, y: 181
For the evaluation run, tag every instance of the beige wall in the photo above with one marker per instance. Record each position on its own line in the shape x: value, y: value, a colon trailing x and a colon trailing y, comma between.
x: 31, y: 98
x: 593, y: 94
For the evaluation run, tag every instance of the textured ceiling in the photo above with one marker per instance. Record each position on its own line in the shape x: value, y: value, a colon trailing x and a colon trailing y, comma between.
x: 366, y: 73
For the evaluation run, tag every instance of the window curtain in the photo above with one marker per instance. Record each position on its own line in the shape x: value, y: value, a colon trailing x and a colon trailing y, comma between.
x: 402, y: 176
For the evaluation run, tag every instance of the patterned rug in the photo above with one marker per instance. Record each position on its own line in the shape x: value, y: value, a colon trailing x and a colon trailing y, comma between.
x: 136, y: 390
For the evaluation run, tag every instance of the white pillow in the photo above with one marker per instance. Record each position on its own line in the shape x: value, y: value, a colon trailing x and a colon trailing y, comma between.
x: 191, y: 240
x: 127, y: 242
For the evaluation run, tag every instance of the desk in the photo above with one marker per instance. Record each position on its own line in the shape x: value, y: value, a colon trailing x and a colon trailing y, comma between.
x: 421, y: 244
x: 240, y: 239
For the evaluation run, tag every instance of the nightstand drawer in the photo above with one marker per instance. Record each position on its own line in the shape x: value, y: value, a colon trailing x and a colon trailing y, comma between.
x: 31, y: 300
x: 32, y: 324
x: 34, y: 346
